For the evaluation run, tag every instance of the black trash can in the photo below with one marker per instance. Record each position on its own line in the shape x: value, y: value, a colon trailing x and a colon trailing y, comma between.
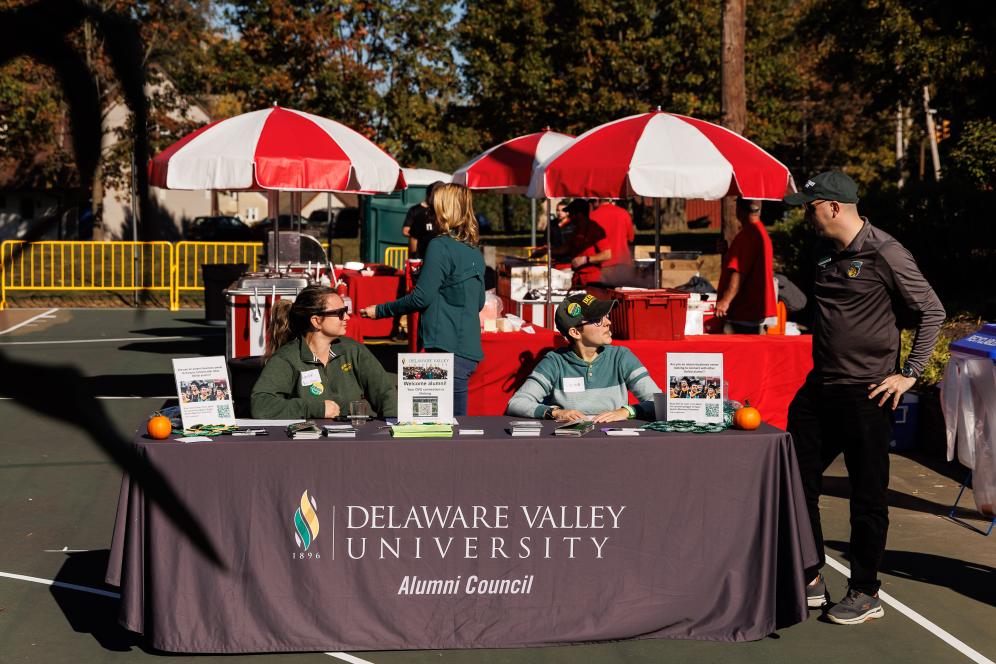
x: 218, y: 277
x: 244, y: 372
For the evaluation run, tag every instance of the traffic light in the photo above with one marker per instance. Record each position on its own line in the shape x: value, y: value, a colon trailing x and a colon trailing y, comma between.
x: 942, y: 130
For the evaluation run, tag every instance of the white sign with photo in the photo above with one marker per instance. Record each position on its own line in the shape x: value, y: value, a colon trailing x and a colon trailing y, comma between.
x: 204, y: 390
x: 695, y: 387
x: 425, y: 387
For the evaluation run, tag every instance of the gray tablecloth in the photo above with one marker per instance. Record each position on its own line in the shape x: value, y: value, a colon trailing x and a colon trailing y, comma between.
x: 407, y: 542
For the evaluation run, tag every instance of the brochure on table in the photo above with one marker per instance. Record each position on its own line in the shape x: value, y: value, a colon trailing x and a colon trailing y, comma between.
x: 205, y: 391
x: 695, y: 387
x: 425, y: 387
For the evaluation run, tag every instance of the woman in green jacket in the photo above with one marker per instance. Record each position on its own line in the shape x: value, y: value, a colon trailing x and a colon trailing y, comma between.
x: 312, y: 369
x: 450, y: 289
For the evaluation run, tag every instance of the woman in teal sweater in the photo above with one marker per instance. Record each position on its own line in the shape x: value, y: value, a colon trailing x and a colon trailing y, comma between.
x: 450, y: 290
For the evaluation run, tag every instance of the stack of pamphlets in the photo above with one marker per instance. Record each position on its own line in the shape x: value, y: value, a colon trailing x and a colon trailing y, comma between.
x: 423, y: 430
x: 304, y: 431
x: 340, y: 431
x: 526, y: 427
x: 577, y: 428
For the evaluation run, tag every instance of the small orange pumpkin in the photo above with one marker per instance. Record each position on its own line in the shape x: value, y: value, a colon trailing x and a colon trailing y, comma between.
x: 159, y: 427
x: 747, y: 418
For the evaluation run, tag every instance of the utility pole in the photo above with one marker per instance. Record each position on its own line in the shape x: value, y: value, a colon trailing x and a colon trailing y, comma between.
x: 734, y: 93
x: 900, y: 145
x: 931, y: 135
x: 137, y: 277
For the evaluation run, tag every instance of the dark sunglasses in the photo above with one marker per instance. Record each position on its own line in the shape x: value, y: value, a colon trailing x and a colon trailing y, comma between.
x: 811, y: 207
x: 604, y: 320
x: 338, y: 313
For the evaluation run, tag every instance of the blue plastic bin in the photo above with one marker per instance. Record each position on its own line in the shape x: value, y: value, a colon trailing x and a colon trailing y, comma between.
x: 904, y: 423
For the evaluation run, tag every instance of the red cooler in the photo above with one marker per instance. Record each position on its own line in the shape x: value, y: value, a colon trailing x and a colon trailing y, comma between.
x: 646, y: 313
x: 248, y: 308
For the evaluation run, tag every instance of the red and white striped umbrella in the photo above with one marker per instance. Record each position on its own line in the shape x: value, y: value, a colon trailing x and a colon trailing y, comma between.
x: 508, y: 167
x: 661, y: 155
x: 276, y: 148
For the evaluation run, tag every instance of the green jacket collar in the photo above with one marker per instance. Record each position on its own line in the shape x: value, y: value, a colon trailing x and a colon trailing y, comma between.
x: 308, y: 357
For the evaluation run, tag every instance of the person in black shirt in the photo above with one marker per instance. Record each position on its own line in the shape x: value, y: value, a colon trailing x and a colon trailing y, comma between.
x: 867, y: 287
x: 419, y: 224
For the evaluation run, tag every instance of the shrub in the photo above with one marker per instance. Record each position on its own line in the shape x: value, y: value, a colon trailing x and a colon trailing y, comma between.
x: 957, y: 327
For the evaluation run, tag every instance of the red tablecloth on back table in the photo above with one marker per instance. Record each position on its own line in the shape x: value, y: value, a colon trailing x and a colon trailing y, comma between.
x: 766, y: 369
x: 364, y: 291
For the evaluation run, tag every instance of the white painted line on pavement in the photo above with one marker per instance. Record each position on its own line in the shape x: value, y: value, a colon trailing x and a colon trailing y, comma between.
x: 44, y: 314
x: 95, y: 341
x: 346, y: 657
x: 940, y: 633
x: 60, y: 584
x: 132, y: 396
x: 168, y: 396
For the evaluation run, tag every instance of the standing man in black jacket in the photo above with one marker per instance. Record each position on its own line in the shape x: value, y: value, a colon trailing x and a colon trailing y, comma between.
x: 867, y: 287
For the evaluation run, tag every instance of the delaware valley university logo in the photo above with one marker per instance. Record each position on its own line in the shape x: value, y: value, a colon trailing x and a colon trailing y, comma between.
x: 306, y: 522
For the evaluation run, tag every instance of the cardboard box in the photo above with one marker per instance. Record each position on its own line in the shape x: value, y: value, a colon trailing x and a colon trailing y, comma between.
x: 675, y: 278
x: 712, y: 265
x: 668, y: 264
x: 645, y: 250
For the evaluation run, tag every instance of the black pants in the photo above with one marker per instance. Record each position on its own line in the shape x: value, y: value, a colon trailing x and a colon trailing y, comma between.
x: 824, y: 421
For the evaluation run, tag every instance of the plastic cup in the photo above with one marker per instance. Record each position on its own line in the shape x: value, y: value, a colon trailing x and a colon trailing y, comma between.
x: 359, y: 412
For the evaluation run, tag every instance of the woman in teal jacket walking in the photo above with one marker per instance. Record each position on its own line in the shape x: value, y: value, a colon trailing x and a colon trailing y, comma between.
x: 450, y: 290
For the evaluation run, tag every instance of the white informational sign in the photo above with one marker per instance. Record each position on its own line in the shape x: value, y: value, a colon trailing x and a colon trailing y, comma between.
x: 205, y: 391
x: 425, y: 387
x: 695, y: 387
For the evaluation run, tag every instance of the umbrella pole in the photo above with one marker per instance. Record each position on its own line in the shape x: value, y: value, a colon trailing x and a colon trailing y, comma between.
x: 273, y: 208
x: 532, y: 203
x: 548, y: 309
x: 657, y: 243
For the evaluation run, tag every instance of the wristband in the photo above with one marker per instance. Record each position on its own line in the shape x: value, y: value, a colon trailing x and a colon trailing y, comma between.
x: 631, y: 411
x: 587, y: 260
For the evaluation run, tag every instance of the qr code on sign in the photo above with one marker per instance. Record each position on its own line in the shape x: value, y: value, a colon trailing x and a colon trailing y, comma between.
x: 712, y: 410
x: 224, y: 410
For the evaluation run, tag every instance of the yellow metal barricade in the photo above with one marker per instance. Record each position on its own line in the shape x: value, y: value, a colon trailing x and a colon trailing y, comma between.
x: 85, y: 266
x: 190, y: 256
x: 396, y: 257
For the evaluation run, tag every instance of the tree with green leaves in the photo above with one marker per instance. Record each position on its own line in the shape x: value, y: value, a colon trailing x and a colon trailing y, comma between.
x: 35, y: 150
x: 384, y: 67
x: 38, y: 153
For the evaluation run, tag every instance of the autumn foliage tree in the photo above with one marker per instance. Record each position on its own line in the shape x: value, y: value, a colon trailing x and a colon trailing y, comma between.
x: 385, y: 68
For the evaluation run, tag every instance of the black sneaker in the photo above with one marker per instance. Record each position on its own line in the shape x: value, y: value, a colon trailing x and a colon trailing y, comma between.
x: 856, y: 608
x: 816, y: 595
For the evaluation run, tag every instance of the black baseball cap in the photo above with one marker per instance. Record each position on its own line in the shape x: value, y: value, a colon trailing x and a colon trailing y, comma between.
x: 581, y: 308
x: 828, y: 186
x: 578, y: 206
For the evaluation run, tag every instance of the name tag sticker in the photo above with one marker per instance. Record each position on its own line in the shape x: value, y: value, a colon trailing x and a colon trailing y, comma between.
x: 575, y: 384
x: 309, y: 377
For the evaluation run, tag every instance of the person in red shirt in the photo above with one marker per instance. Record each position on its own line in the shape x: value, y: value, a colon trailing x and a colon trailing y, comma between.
x: 746, y: 285
x: 619, y: 233
x: 588, y: 246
